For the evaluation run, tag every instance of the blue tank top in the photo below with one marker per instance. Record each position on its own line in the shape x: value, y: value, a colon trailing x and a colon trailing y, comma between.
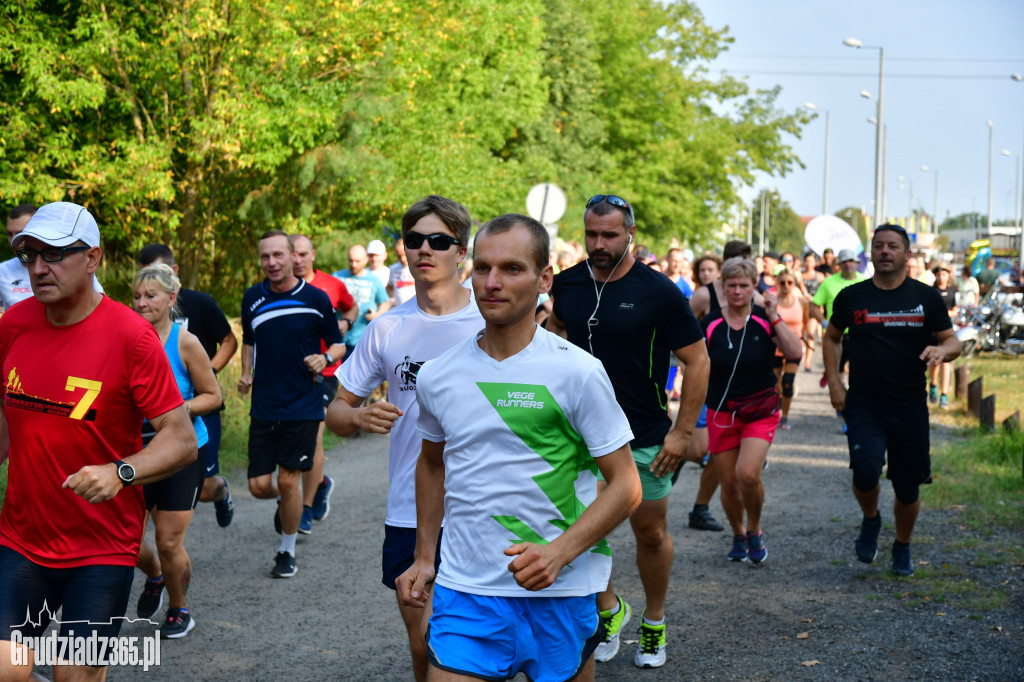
x: 185, y: 386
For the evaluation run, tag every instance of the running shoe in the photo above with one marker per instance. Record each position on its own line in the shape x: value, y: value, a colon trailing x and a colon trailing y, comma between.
x: 933, y: 394
x: 178, y: 624
x: 756, y: 550
x: 277, y: 518
x: 843, y: 431
x: 944, y: 401
x: 867, y: 541
x: 784, y: 424
x: 152, y: 598
x: 651, y: 652
x: 613, y: 625
x: 701, y: 519
x: 225, y: 508
x: 284, y: 566
x: 306, y: 522
x: 322, y: 500
x: 901, y: 562
x: 739, y: 548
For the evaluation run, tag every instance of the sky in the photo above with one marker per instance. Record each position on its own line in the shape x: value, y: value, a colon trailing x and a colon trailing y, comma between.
x: 948, y: 66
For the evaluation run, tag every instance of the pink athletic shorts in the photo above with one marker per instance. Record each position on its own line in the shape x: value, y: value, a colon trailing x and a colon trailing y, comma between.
x: 725, y: 431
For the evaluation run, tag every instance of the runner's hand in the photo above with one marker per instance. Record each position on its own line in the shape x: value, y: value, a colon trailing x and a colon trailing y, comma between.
x: 838, y: 396
x: 933, y: 355
x: 244, y: 384
x: 95, y: 484
x: 414, y: 585
x: 535, y: 566
x: 379, y: 417
x: 315, y: 363
x: 672, y: 451
x: 770, y: 302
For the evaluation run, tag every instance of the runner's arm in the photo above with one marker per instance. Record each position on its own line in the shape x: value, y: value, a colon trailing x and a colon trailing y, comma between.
x: 948, y: 349
x: 537, y: 566
x: 832, y: 350
x: 700, y: 302
x: 555, y: 325
x: 413, y: 585
x: 172, y: 448
x: 347, y: 414
x: 227, y: 348
x: 694, y: 359
x: 207, y: 396
x: 245, y: 378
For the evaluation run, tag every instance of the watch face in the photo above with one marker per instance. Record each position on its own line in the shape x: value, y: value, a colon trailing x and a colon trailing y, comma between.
x: 126, y: 472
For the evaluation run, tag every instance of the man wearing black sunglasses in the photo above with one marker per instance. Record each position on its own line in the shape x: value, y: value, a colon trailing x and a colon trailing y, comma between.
x: 893, y: 324
x: 631, y: 318
x: 443, y: 313
x: 80, y: 372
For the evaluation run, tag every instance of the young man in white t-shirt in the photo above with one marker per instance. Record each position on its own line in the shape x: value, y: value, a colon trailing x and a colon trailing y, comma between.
x: 435, y: 231
x: 516, y: 422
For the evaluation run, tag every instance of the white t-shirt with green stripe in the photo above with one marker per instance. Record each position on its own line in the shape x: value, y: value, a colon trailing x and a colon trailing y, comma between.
x: 520, y: 437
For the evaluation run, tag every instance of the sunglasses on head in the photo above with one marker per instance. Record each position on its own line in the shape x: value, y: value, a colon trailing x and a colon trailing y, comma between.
x: 889, y: 227
x: 611, y: 199
x: 437, y: 241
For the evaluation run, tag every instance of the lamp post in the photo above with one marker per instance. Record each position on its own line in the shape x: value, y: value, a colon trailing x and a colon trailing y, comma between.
x: 1016, y: 184
x: 828, y: 127
x: 854, y: 42
x: 1020, y: 243
x: 935, y: 211
x: 988, y: 219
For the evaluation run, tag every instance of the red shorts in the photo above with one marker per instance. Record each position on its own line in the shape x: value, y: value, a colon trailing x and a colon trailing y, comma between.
x: 725, y: 430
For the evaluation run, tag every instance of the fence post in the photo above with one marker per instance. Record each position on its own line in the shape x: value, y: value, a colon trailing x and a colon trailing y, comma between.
x: 988, y: 413
x: 1012, y: 423
x: 974, y: 390
x: 962, y: 377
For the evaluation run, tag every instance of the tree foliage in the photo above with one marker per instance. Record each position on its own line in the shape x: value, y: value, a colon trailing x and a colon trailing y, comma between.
x: 201, y: 123
x: 785, y: 228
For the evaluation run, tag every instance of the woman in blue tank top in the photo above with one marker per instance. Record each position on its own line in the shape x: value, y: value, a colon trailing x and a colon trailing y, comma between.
x: 172, y: 500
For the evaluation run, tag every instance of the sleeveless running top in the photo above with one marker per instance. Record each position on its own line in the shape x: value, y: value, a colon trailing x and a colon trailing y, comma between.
x: 793, y: 317
x: 811, y: 285
x: 713, y: 299
x: 185, y: 386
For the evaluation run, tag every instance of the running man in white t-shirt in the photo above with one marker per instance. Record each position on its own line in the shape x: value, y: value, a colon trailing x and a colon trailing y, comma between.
x: 436, y: 233
x: 516, y: 422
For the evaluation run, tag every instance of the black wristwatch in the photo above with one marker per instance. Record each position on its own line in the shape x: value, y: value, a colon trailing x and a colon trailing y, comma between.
x: 126, y: 472
x: 329, y: 359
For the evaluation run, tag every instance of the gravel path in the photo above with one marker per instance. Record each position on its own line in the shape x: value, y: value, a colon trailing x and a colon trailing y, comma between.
x: 812, y: 612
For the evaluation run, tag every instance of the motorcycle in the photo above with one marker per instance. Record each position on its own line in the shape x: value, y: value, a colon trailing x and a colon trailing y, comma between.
x: 995, y: 324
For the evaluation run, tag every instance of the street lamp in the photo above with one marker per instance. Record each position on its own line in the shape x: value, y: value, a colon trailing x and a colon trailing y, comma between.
x: 935, y: 211
x: 885, y: 158
x: 988, y: 219
x: 854, y: 42
x: 828, y: 127
x: 1016, y: 184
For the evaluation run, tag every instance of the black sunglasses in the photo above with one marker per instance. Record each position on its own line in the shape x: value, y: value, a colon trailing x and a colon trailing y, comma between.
x: 51, y: 255
x: 438, y: 241
x: 891, y: 228
x: 613, y: 200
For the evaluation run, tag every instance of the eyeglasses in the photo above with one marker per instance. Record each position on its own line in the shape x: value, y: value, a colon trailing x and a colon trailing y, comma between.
x: 787, y: 260
x: 51, y: 255
x: 437, y: 241
x: 611, y: 199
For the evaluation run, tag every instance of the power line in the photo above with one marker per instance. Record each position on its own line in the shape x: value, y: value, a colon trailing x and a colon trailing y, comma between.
x: 870, y: 58
x: 831, y: 74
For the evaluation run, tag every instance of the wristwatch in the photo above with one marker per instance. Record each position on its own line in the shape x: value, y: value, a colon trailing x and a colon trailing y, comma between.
x: 126, y: 472
x: 329, y: 359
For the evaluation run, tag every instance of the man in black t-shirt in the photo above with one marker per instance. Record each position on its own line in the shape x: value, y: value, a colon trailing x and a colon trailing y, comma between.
x: 631, y: 318
x: 198, y: 313
x: 892, y: 322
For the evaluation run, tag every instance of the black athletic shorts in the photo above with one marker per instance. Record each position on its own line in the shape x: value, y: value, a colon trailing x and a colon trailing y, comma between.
x: 93, y: 598
x: 330, y: 389
x: 180, y: 491
x: 399, y: 550
x: 874, y: 429
x: 288, y: 444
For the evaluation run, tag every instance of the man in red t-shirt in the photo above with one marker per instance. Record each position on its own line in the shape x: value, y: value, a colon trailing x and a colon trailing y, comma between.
x: 317, y: 487
x: 70, y: 425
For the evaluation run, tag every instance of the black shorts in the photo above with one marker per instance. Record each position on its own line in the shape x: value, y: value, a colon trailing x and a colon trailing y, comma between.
x: 330, y: 389
x: 94, y: 598
x: 180, y: 491
x: 212, y: 421
x: 289, y: 444
x: 874, y: 429
x: 399, y: 548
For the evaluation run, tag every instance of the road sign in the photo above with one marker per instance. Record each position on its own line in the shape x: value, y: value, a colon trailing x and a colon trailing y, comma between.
x: 546, y: 203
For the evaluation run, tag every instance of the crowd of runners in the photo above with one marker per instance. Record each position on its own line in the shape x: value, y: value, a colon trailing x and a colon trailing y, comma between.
x: 530, y: 394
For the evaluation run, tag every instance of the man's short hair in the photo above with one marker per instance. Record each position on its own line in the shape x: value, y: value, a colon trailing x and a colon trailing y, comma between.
x: 298, y: 235
x: 22, y: 210
x: 152, y: 253
x: 278, y: 233
x: 603, y: 207
x: 538, y: 235
x: 889, y: 227
x: 453, y: 214
x: 737, y: 249
x: 990, y: 261
x: 673, y: 250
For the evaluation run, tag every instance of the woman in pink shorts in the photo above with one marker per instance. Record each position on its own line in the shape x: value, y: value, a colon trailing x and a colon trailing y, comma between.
x: 742, y: 401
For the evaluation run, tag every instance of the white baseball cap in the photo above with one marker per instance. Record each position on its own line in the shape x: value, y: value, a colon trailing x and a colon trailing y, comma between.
x: 376, y: 247
x: 61, y: 224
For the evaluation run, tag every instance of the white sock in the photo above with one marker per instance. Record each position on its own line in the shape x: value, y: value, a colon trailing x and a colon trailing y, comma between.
x: 618, y: 606
x: 654, y: 622
x: 288, y: 543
